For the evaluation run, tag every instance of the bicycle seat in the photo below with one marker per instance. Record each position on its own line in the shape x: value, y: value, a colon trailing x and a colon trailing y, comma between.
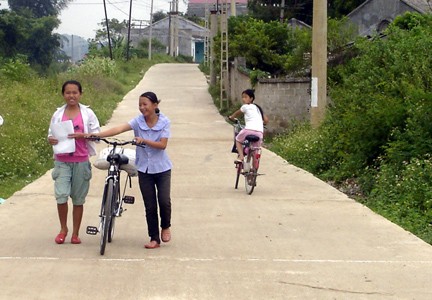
x: 252, y: 138
x: 121, y: 158
x: 124, y: 160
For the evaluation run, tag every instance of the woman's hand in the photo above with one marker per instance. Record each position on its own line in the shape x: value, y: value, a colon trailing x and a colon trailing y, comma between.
x: 52, y: 140
x: 139, y: 141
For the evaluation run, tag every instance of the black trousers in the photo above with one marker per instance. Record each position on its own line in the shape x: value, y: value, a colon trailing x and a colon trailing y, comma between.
x: 156, y: 190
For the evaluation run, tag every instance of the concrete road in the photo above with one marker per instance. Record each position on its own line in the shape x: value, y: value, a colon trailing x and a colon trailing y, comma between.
x: 295, y: 237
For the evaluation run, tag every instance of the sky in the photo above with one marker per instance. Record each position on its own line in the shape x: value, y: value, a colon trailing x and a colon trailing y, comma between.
x: 82, y: 17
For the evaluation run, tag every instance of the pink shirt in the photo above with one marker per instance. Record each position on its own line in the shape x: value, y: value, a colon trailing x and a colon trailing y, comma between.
x: 81, y: 153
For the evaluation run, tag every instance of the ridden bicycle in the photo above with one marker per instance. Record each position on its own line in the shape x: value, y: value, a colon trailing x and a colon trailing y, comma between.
x: 112, y: 200
x: 252, y: 153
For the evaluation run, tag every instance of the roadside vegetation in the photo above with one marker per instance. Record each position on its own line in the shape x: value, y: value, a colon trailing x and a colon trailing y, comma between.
x: 376, y: 141
x: 27, y: 102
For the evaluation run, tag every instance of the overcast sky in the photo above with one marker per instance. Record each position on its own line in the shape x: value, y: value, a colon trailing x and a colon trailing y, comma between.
x: 82, y: 16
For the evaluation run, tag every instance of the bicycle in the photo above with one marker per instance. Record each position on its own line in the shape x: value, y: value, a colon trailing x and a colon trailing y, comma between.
x: 112, y: 200
x: 252, y: 153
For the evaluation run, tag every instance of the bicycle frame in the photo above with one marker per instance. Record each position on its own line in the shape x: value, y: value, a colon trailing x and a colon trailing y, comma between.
x: 112, y: 200
x: 251, y: 163
x: 252, y: 154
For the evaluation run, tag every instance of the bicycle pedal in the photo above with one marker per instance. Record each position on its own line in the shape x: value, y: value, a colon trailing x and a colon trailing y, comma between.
x: 129, y: 199
x: 92, y: 230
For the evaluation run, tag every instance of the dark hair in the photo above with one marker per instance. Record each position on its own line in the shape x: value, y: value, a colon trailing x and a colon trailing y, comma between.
x: 77, y: 83
x: 151, y: 96
x: 250, y: 93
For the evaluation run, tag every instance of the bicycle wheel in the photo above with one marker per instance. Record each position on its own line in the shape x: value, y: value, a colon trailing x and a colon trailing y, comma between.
x: 115, y: 204
x: 250, y: 173
x: 239, y: 167
x: 106, y: 214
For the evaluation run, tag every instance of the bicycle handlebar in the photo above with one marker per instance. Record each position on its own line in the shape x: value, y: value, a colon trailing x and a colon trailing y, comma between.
x: 116, y: 142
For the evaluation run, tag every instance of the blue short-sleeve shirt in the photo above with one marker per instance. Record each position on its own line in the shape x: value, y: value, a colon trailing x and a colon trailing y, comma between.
x: 148, y: 159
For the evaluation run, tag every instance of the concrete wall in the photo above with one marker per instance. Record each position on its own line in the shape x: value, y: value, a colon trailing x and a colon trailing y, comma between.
x: 284, y: 101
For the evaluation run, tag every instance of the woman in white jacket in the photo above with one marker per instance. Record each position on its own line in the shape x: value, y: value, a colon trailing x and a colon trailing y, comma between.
x: 72, y: 171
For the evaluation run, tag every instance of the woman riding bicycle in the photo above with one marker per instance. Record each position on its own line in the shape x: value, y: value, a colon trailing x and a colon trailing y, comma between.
x: 255, y: 119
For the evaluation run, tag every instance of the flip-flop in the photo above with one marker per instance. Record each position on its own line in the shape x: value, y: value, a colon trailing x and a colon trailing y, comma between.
x: 60, y: 238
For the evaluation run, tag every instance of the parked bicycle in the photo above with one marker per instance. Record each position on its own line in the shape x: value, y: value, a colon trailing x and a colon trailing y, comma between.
x: 252, y: 152
x: 112, y: 200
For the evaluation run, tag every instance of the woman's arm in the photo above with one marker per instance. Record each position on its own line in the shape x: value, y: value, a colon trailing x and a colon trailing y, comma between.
x: 106, y: 133
x: 265, y: 119
x: 162, y: 144
x: 235, y: 114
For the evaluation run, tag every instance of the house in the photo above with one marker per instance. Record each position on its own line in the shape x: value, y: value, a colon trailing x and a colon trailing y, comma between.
x: 373, y: 16
x: 297, y: 24
x: 191, y: 36
x: 198, y: 7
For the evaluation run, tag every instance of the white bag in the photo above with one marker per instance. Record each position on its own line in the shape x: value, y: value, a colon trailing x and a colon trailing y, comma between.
x: 101, y: 162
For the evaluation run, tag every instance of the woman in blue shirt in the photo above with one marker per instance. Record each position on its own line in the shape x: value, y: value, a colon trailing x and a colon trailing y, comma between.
x: 151, y: 128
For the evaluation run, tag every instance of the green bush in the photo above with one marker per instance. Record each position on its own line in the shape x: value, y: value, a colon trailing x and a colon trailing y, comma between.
x: 378, y: 127
x: 17, y: 69
x: 96, y: 66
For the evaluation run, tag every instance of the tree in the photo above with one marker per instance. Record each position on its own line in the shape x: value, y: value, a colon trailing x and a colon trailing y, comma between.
x: 269, y: 47
x: 99, y: 45
x: 38, y: 8
x: 30, y: 37
x: 340, y: 8
x: 116, y: 30
x: 268, y: 10
x: 159, y: 15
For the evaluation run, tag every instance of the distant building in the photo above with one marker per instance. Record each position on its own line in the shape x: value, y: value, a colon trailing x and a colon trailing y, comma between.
x: 75, y: 47
x: 198, y: 7
x: 373, y: 16
x: 191, y: 36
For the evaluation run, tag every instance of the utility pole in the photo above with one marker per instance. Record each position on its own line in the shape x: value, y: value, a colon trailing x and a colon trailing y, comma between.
x: 129, y: 29
x: 213, y: 33
x: 207, y: 34
x: 174, y: 29
x: 319, y: 62
x: 150, y: 33
x: 224, y: 80
x: 108, y: 33
x: 282, y: 11
x: 72, y: 49
x: 233, y: 8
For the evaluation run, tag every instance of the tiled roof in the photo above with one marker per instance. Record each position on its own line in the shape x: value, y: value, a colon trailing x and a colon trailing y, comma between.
x: 422, y: 5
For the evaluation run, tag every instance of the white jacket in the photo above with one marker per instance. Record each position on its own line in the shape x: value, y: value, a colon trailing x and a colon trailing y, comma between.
x: 90, y: 120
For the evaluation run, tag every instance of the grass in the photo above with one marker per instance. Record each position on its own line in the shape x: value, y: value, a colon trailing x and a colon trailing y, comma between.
x: 27, y: 106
